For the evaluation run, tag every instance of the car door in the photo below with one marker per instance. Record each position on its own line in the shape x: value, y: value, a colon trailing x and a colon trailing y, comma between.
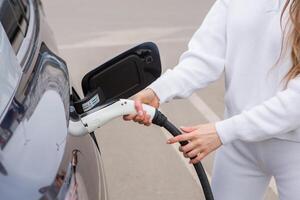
x: 38, y: 160
x: 32, y: 129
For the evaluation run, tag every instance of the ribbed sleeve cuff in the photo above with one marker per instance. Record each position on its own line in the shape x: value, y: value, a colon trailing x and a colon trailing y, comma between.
x: 160, y: 91
x: 163, y: 87
x: 226, y: 130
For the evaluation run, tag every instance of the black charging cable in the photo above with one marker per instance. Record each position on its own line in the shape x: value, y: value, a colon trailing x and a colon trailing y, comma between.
x: 162, y: 121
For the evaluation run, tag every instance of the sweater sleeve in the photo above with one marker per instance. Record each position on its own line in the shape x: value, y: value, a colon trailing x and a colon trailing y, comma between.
x: 280, y: 114
x: 202, y: 63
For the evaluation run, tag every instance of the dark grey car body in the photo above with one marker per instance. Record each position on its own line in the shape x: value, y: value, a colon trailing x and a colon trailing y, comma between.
x: 38, y: 159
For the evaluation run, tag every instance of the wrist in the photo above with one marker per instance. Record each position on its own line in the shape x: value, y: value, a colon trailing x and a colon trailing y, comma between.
x: 153, y: 94
x: 216, y: 132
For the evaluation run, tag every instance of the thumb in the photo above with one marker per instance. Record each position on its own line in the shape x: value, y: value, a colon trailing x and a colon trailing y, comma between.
x: 188, y: 129
x: 139, y: 107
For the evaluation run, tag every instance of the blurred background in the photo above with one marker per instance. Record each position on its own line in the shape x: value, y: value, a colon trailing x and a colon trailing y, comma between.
x: 138, y: 163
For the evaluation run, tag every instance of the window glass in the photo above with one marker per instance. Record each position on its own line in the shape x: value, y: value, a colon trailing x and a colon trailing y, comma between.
x: 14, y: 19
x: 10, y: 71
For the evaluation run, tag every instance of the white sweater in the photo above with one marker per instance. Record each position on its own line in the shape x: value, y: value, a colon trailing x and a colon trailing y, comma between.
x: 243, y: 39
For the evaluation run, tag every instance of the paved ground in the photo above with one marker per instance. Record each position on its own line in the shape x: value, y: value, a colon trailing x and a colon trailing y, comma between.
x: 138, y: 163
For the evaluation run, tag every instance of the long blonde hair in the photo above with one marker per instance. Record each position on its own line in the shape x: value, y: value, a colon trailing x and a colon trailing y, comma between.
x: 293, y: 37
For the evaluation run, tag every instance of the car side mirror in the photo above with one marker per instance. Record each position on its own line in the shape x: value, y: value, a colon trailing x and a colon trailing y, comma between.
x: 121, y: 77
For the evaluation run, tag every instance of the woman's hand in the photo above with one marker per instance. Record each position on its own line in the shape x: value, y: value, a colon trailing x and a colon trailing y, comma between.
x: 203, y: 139
x: 146, y: 96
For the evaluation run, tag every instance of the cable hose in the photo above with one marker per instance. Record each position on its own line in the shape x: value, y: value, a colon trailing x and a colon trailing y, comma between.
x: 162, y: 121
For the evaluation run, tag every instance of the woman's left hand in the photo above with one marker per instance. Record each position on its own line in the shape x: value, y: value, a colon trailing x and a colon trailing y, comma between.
x: 203, y: 139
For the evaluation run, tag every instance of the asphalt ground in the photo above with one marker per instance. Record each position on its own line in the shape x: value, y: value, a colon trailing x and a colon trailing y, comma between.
x: 138, y: 163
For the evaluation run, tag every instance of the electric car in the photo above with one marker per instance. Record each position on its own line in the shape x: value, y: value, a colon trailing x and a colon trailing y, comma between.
x: 39, y: 159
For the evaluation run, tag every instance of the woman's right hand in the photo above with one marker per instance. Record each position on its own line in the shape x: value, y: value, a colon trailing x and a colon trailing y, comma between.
x: 146, y: 96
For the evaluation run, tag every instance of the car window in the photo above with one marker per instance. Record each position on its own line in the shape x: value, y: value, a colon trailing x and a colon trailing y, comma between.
x: 14, y: 19
x: 10, y: 71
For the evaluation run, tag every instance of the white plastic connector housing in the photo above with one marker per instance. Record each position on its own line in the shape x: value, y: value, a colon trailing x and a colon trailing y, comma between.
x: 95, y: 120
x: 77, y: 128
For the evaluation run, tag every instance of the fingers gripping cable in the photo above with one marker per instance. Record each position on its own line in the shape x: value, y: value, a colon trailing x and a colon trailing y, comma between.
x: 96, y: 118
